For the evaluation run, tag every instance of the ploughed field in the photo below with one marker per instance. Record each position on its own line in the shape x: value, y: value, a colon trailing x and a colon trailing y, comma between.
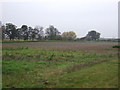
x: 60, y: 65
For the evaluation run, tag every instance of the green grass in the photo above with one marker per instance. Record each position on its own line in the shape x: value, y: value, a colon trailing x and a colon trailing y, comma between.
x: 99, y: 76
x: 25, y: 67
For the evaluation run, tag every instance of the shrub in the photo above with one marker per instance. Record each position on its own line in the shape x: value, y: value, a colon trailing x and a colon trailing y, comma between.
x: 116, y: 46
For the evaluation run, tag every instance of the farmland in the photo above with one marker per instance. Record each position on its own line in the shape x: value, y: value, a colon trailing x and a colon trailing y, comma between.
x: 60, y: 65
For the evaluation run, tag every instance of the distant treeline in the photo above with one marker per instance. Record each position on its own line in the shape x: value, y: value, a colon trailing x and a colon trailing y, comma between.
x: 11, y: 32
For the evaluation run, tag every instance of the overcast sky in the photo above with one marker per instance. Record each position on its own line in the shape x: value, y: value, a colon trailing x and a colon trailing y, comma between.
x: 79, y: 16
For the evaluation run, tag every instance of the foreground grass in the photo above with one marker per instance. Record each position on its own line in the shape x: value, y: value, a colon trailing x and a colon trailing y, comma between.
x: 48, y: 68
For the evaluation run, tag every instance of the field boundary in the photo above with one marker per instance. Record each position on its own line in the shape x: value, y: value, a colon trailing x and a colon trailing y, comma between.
x: 22, y: 41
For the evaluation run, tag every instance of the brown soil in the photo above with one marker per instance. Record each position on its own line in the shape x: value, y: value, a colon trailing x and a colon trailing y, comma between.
x: 102, y: 47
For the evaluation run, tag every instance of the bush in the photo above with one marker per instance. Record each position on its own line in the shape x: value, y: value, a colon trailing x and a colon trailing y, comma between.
x: 116, y: 46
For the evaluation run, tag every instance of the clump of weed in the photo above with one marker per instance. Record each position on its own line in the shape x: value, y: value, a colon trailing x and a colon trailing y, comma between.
x: 10, y: 55
x: 29, y: 55
x: 21, y: 48
x: 51, y: 57
x: 38, y: 56
x: 69, y: 55
x: 6, y: 54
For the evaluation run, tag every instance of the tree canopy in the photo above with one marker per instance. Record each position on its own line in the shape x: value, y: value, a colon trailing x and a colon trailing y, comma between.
x: 93, y: 35
x: 10, y: 31
x: 52, y: 33
x: 69, y: 35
